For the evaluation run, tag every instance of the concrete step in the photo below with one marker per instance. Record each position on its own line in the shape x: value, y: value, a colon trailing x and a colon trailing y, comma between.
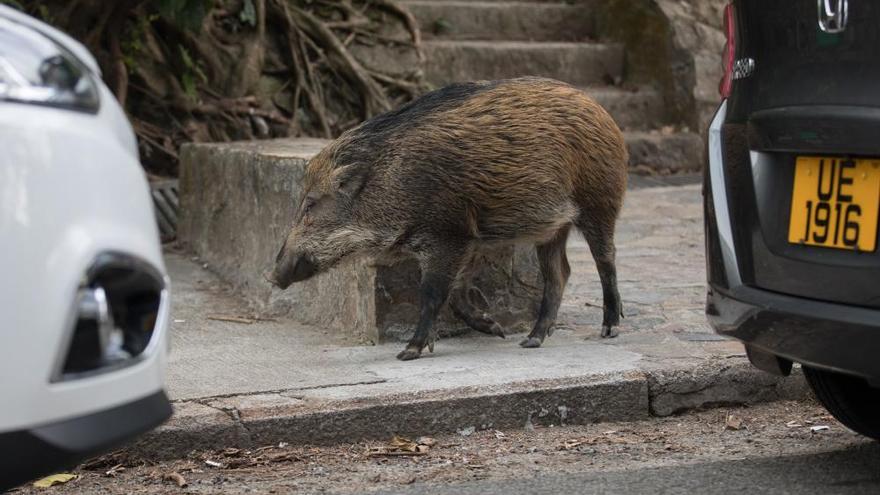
x: 486, y: 20
x: 664, y: 152
x: 641, y: 109
x: 580, y: 64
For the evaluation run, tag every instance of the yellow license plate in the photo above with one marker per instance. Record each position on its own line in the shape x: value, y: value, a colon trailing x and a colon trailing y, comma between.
x: 834, y: 203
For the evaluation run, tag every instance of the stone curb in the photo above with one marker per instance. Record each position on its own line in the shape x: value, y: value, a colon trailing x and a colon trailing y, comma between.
x: 247, y: 421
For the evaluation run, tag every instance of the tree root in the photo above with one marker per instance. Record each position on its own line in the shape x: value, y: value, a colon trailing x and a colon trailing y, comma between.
x: 374, y: 99
x: 266, y: 68
x: 411, y: 24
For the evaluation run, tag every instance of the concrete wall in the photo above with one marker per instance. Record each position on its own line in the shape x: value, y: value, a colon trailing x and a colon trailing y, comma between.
x: 237, y: 202
x: 697, y: 30
x: 675, y: 44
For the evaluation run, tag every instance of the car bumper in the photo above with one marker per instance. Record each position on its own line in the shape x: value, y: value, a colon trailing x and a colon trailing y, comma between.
x: 65, y: 443
x: 829, y: 335
x: 823, y: 335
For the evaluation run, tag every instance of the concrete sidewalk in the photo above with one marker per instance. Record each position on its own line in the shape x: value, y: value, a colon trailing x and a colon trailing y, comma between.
x: 248, y: 383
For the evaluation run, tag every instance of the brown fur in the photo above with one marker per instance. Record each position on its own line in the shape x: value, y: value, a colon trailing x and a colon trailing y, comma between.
x: 463, y: 168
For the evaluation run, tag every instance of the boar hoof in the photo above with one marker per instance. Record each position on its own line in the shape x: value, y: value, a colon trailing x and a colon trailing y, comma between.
x: 530, y: 343
x: 409, y: 354
x: 497, y: 331
x: 609, y: 332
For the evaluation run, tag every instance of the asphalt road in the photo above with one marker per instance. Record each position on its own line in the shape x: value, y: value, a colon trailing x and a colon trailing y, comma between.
x: 854, y: 470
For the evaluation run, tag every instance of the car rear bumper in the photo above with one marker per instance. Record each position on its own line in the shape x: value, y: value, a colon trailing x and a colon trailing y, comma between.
x: 823, y: 335
x: 835, y: 336
x: 27, y: 453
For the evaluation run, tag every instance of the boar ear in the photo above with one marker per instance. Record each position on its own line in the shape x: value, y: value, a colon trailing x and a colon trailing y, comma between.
x: 350, y: 179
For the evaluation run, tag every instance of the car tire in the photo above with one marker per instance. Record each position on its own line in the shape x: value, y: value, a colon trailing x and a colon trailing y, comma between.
x: 849, y: 399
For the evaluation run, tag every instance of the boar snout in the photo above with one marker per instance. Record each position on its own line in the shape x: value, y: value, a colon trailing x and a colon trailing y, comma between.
x: 293, y: 268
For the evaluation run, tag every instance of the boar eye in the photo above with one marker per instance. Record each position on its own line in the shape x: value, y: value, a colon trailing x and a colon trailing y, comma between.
x: 308, y: 204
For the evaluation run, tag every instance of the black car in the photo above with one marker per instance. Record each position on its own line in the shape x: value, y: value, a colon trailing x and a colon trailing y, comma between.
x: 791, y: 195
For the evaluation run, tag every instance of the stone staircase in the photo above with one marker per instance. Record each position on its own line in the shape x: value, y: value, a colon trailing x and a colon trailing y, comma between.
x: 497, y: 39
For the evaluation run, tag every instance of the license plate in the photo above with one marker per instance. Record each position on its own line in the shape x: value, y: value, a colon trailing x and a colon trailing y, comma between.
x: 834, y: 203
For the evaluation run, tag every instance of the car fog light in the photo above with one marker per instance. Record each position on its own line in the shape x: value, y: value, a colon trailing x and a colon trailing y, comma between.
x: 116, y: 311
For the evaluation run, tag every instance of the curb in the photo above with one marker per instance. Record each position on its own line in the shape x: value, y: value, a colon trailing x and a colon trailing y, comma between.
x: 248, y: 421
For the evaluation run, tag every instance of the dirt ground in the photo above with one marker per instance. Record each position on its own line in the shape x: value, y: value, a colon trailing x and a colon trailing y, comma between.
x: 769, y: 430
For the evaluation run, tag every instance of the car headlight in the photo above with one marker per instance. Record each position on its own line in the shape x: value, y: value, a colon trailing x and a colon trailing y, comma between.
x: 34, y: 69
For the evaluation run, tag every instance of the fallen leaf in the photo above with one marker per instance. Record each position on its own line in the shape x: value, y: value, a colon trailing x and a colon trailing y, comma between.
x: 399, y: 440
x: 429, y: 441
x: 177, y: 478
x: 401, y: 446
x: 402, y: 443
x: 55, y: 479
x: 570, y: 444
x: 733, y: 422
x: 213, y: 464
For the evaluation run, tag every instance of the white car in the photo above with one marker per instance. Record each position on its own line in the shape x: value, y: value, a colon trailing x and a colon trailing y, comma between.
x: 84, y: 297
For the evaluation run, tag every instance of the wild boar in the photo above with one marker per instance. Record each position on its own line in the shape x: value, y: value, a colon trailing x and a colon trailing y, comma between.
x: 465, y: 168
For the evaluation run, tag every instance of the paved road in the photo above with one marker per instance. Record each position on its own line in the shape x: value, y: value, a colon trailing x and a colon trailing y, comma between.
x: 854, y: 470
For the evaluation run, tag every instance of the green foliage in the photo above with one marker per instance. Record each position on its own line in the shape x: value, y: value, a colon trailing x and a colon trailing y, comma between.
x: 133, y: 40
x: 185, y: 14
x: 191, y: 75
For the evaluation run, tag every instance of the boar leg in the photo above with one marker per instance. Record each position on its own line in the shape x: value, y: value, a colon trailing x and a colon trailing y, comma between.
x: 601, y: 241
x: 555, y: 269
x: 466, y: 312
x: 438, y: 274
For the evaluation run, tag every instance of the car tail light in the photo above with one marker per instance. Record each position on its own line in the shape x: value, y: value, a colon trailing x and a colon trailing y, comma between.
x: 115, y: 316
x: 729, y: 55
